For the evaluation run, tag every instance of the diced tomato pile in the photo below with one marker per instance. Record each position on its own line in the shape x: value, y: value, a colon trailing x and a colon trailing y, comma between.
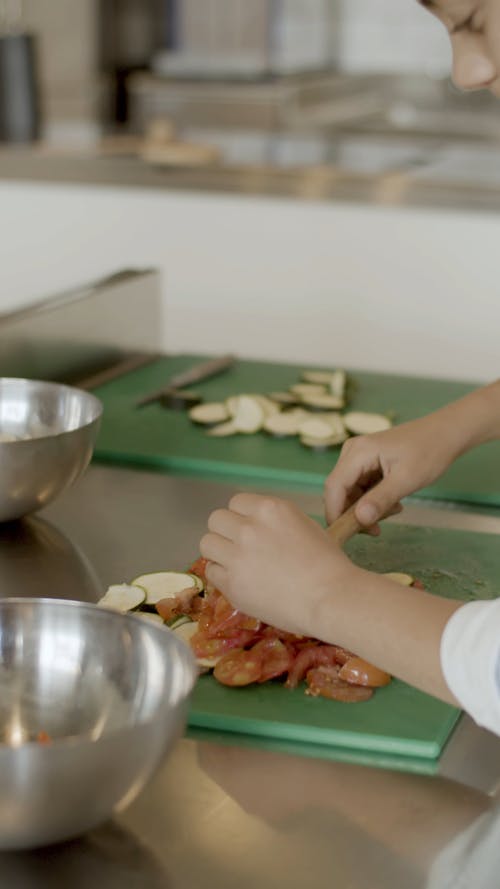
x: 244, y: 650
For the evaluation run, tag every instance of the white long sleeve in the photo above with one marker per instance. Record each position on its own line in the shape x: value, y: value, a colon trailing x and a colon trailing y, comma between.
x: 470, y: 860
x: 470, y: 658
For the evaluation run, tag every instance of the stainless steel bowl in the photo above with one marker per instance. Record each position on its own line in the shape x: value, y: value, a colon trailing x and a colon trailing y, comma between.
x: 111, y: 692
x: 54, y: 428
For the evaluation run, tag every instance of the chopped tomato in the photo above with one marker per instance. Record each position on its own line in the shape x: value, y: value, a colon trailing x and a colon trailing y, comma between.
x: 199, y: 567
x: 173, y: 606
x: 221, y: 618
x: 197, y: 605
x: 276, y: 658
x: 206, y: 647
x: 167, y: 608
x: 206, y: 608
x: 418, y: 585
x: 325, y: 682
x: 43, y: 738
x: 285, y: 636
x: 343, y: 655
x: 234, y: 623
x: 314, y: 656
x: 238, y: 667
x: 356, y: 671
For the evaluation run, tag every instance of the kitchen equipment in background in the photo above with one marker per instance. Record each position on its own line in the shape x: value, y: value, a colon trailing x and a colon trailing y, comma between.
x: 246, y: 111
x: 19, y: 87
x: 83, y: 732
x: 237, y: 39
x: 161, y: 147
x: 130, y: 31
x: 47, y: 436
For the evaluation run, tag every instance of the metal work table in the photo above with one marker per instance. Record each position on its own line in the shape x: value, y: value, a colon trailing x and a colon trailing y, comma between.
x: 225, y: 816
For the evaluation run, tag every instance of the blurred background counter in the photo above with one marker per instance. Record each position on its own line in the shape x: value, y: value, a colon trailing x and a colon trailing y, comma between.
x: 171, y: 132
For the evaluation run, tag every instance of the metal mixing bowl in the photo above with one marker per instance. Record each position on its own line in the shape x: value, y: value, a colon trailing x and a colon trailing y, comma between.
x: 111, y: 692
x: 55, y: 428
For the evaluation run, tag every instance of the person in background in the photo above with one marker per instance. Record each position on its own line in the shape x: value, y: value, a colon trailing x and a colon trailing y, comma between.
x: 275, y: 563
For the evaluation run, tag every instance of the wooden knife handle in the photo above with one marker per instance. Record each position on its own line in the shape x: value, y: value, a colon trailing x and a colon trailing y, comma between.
x: 345, y: 527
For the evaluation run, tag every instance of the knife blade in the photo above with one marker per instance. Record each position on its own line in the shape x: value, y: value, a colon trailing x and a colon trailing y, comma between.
x: 203, y: 371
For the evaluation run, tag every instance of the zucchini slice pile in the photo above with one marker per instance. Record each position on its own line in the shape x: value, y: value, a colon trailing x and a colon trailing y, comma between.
x: 312, y: 410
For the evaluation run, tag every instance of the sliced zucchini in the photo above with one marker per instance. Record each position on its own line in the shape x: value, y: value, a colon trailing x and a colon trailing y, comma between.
x: 223, y: 430
x: 286, y: 399
x: 302, y: 390
x: 322, y: 401
x: 268, y: 406
x: 232, y: 404
x: 400, y: 577
x: 198, y: 581
x: 336, y: 422
x: 324, y: 377
x: 363, y: 423
x: 154, y: 618
x: 164, y: 585
x: 318, y: 444
x: 185, y: 630
x: 316, y: 427
x: 209, y: 414
x: 338, y: 384
x: 285, y: 423
x: 339, y: 432
x: 123, y: 597
x: 178, y: 621
x: 248, y: 416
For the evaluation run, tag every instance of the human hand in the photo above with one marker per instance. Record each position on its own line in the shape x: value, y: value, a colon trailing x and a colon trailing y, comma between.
x: 272, y: 561
x: 379, y: 470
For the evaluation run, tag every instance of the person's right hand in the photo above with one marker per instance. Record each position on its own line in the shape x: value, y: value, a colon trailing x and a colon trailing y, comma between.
x: 379, y: 470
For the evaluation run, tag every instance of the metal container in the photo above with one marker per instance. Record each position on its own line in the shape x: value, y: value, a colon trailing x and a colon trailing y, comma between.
x: 109, y: 690
x: 47, y: 436
x: 19, y: 91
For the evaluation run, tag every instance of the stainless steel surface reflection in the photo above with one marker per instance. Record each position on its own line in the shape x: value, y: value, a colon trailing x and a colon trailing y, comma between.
x: 109, y: 857
x: 110, y: 691
x: 37, y: 559
x: 47, y: 436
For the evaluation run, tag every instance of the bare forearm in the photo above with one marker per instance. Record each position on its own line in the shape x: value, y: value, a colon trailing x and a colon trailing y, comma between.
x: 473, y: 419
x: 397, y: 628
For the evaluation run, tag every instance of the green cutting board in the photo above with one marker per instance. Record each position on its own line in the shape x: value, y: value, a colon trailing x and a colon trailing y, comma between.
x: 155, y: 437
x: 399, y: 727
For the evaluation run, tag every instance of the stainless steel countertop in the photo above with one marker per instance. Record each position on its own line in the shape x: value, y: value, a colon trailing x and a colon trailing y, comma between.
x: 225, y: 816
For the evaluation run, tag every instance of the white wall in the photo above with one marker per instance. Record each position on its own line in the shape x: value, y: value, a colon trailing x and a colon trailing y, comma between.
x: 380, y: 288
x: 391, y: 35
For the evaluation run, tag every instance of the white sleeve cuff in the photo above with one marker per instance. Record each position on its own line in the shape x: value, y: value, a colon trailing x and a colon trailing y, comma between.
x: 470, y: 659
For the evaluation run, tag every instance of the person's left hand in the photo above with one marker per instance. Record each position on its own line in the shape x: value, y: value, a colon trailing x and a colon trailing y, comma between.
x: 272, y: 561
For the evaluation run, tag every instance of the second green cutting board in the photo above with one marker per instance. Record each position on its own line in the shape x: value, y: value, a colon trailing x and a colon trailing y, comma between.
x: 166, y: 439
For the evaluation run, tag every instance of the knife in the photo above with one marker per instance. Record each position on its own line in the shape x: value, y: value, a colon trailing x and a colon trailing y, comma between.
x: 195, y: 374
